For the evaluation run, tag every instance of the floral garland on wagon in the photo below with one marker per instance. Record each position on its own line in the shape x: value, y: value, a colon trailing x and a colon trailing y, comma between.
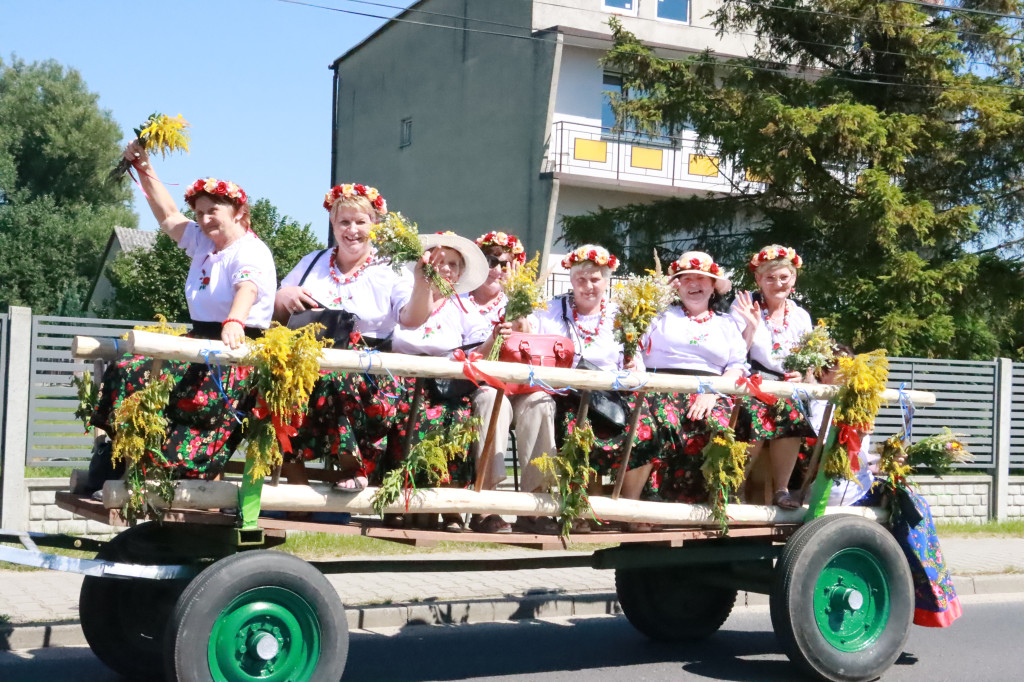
x: 724, y: 469
x: 572, y: 473
x: 862, y: 380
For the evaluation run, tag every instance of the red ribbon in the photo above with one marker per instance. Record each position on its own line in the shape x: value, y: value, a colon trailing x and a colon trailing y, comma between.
x: 850, y: 439
x: 282, y: 429
x: 753, y: 384
x: 472, y: 373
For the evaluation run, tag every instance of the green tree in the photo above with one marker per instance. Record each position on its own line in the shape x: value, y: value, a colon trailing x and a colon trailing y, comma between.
x: 56, y: 207
x: 148, y: 282
x: 891, y: 135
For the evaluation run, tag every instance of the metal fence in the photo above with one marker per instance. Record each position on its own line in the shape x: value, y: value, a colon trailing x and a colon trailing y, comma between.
x: 1017, y: 417
x: 55, y: 436
x: 965, y: 393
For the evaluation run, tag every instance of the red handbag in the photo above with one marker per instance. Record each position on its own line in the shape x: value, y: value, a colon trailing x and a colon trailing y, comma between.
x: 538, y: 350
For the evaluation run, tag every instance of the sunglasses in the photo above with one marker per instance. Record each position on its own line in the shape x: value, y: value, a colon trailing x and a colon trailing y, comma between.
x: 495, y: 261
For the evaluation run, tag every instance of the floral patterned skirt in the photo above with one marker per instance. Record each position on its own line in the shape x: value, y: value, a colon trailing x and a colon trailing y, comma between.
x: 936, y: 603
x: 432, y: 414
x: 204, y: 413
x: 348, y: 414
x: 606, y: 456
x: 785, y: 419
x: 678, y: 477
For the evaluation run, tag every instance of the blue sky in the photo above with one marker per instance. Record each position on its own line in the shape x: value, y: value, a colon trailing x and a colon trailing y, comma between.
x: 251, y: 76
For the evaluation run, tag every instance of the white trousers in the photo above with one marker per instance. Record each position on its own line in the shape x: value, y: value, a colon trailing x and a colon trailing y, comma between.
x: 534, y: 418
x: 483, y: 404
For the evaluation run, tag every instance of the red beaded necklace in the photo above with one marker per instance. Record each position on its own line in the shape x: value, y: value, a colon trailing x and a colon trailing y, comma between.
x: 588, y: 334
x: 495, y: 302
x: 700, y: 318
x: 348, y: 279
x: 772, y: 327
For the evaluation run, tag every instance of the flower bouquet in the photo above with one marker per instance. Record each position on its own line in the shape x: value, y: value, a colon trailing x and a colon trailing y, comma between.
x: 938, y: 453
x: 639, y: 300
x: 397, y: 239
x: 816, y: 350
x: 525, y: 293
x: 158, y: 133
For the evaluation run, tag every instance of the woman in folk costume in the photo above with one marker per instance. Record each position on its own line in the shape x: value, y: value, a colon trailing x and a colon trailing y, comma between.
x: 230, y: 293
x: 690, y: 338
x: 503, y: 252
x: 585, y: 315
x: 772, y: 325
x: 347, y: 410
x: 450, y: 326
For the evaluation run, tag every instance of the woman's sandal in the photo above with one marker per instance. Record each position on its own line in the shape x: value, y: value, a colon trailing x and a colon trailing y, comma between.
x: 639, y: 527
x: 355, y: 484
x: 452, y: 523
x: 492, y: 523
x: 784, y: 500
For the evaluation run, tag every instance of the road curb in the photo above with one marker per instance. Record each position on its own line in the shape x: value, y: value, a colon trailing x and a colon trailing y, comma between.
x: 28, y: 636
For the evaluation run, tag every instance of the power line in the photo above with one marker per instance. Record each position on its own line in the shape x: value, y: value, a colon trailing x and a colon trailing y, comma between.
x: 789, y: 72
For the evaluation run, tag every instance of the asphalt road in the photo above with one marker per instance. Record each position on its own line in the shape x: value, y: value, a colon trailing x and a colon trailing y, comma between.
x: 984, y: 645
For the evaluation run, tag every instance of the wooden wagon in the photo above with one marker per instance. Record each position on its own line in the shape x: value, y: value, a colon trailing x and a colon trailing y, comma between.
x: 202, y: 595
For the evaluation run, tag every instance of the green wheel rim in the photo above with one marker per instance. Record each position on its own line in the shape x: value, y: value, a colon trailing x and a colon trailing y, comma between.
x: 851, y: 600
x: 268, y: 634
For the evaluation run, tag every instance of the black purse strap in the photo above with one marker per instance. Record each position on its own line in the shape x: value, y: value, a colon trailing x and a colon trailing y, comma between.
x: 571, y: 326
x: 310, y: 268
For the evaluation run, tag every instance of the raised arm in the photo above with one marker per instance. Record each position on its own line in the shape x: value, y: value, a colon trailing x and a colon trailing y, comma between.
x: 163, y: 206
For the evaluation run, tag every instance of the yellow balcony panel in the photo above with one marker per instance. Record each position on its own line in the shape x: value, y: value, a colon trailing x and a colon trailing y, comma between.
x: 751, y: 176
x: 706, y: 166
x: 642, y: 157
x: 591, y: 150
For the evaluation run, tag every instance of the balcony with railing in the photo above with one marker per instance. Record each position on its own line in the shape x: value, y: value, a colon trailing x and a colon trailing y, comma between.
x: 593, y: 156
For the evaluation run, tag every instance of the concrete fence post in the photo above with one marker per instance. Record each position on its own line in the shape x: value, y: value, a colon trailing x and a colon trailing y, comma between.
x: 1004, y: 414
x: 14, y: 509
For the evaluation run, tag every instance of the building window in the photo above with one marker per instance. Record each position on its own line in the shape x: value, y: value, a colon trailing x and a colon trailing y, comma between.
x: 612, y: 84
x: 621, y: 6
x: 405, y: 137
x: 674, y: 10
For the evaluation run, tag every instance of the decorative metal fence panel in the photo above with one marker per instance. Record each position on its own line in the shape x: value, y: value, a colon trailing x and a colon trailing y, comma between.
x: 55, y: 436
x: 966, y: 393
x: 1017, y: 418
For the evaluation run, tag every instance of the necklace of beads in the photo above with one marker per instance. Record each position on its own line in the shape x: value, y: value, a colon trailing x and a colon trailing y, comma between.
x: 588, y: 334
x: 348, y: 279
x: 700, y: 318
x: 486, y: 309
x: 772, y: 327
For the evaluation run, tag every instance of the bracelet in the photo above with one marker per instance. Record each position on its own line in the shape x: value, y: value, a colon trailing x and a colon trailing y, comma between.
x: 231, y: 319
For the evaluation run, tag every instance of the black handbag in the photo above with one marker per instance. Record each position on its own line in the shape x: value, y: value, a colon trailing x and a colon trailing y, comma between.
x: 451, y: 390
x: 607, y: 409
x: 338, y: 324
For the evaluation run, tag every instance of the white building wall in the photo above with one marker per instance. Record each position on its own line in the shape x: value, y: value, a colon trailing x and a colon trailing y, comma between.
x: 590, y: 15
x: 580, y: 86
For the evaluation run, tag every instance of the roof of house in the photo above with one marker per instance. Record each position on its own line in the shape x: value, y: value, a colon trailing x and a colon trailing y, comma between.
x: 131, y: 239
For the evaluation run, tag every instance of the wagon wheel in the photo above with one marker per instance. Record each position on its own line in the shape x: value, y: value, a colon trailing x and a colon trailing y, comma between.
x: 123, y: 619
x: 671, y: 604
x: 843, y: 599
x: 258, y: 615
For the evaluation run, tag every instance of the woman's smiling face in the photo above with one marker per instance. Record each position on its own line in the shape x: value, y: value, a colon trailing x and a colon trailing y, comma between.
x: 351, y: 227
x: 694, y: 291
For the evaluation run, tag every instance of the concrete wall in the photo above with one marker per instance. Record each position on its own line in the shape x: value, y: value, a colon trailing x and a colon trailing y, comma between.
x: 1015, y: 503
x: 478, y: 105
x: 44, y: 516
x: 957, y: 498
x: 699, y: 34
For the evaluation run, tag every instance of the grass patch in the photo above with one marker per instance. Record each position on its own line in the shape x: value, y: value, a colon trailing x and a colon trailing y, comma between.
x: 1013, y: 528
x: 52, y: 472
x: 320, y: 545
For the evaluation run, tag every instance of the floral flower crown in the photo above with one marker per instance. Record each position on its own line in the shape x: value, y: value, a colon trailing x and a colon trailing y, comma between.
x: 509, y: 242
x: 596, y: 254
x: 695, y: 261
x: 349, y: 191
x: 215, y: 187
x: 775, y: 252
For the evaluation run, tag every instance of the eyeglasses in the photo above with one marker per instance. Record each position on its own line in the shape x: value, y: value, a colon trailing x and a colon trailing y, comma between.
x: 495, y: 261
x: 781, y: 279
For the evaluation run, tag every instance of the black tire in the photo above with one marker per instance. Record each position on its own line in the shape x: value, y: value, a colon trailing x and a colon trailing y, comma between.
x: 246, y: 600
x: 671, y: 604
x: 123, y: 619
x: 829, y: 635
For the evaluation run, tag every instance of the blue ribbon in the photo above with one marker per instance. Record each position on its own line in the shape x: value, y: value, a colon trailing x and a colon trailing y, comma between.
x: 546, y: 387
x: 705, y: 387
x: 907, y: 410
x: 218, y: 381
x: 368, y: 354
x: 802, y: 400
x: 622, y: 374
x: 117, y: 350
